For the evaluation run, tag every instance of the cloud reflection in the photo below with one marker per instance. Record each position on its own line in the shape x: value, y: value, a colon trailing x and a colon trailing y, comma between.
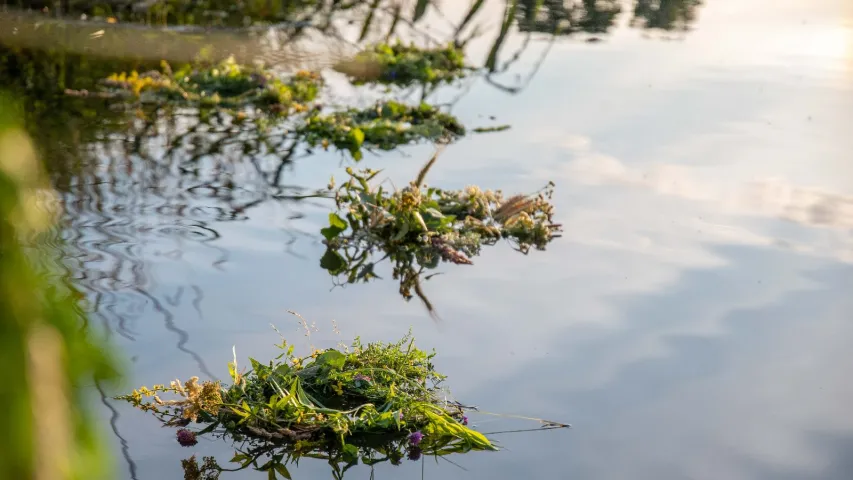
x: 818, y: 209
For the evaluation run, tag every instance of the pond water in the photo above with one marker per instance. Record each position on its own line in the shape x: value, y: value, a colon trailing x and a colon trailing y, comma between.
x: 693, y: 321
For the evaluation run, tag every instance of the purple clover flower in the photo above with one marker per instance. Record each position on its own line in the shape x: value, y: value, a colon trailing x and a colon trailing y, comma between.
x: 362, y: 378
x: 415, y: 438
x: 186, y: 438
x: 464, y: 420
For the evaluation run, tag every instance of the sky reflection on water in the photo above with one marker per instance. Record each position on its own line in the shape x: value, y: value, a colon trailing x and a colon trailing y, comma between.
x: 693, y: 321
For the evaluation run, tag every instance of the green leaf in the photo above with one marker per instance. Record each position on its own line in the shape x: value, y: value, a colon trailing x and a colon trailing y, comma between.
x: 367, y: 272
x: 333, y: 262
x: 301, y: 396
x: 282, y: 470
x: 271, y: 474
x: 232, y: 370
x: 332, y: 358
x: 336, y: 226
x: 232, y: 366
x: 336, y: 221
x: 420, y: 9
x: 330, y: 232
x: 420, y: 220
x: 238, y: 458
x: 356, y: 136
x: 350, y: 453
x: 208, y: 428
x: 240, y: 412
x: 402, y: 233
x: 433, y: 212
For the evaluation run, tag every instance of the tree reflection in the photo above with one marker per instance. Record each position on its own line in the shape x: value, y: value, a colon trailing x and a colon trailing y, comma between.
x: 666, y: 14
x: 562, y: 17
x: 559, y: 17
x: 319, y: 33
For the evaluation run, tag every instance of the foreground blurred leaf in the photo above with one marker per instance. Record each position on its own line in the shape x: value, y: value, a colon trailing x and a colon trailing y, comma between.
x: 420, y: 10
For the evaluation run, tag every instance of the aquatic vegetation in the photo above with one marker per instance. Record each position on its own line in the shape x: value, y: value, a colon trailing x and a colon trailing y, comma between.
x: 225, y: 84
x: 498, y: 128
x: 236, y: 89
x: 366, y: 403
x: 418, y: 227
x: 401, y: 64
x: 332, y: 400
x: 386, y: 126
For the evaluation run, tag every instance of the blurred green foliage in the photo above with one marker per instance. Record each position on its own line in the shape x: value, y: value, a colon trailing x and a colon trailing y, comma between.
x: 45, y: 346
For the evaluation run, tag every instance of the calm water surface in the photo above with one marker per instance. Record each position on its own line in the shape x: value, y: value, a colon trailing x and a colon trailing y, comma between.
x: 694, y: 322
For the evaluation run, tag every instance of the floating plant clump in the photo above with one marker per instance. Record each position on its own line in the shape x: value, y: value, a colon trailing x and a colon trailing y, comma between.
x: 419, y: 226
x: 335, y: 401
x: 385, y: 126
x: 225, y: 84
x: 401, y: 64
x: 228, y: 86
